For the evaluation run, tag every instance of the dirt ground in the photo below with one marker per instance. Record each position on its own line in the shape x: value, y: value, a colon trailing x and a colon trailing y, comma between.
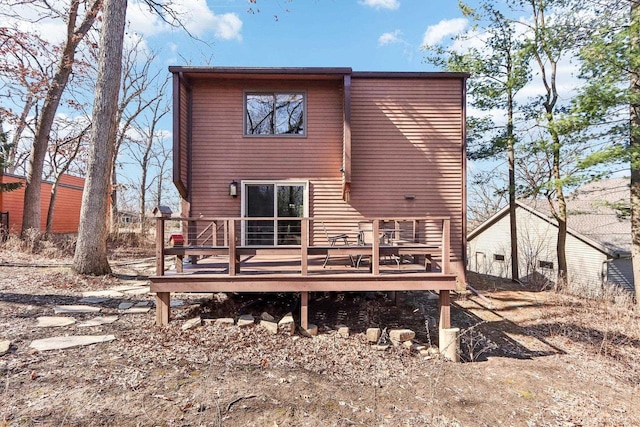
x: 532, y: 358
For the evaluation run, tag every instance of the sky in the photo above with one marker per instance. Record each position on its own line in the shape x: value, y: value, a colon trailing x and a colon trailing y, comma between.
x: 366, y: 35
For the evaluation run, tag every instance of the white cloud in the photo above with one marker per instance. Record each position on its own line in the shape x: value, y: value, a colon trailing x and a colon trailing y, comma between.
x: 390, y: 38
x: 381, y: 4
x: 195, y: 15
x: 447, y: 27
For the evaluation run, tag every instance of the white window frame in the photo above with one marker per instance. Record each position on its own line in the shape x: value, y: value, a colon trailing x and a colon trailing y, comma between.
x: 243, y: 201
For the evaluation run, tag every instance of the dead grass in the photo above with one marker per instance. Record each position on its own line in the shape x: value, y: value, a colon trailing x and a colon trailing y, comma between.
x: 542, y: 359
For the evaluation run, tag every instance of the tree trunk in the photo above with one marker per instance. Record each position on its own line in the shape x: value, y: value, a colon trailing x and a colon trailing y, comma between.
x: 113, y: 200
x: 33, y: 181
x: 515, y: 270
x: 143, y: 199
x: 17, y: 134
x: 561, y: 217
x: 52, y: 206
x: 91, y: 248
x: 634, y: 145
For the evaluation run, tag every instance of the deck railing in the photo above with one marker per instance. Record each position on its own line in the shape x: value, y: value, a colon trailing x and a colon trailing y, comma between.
x: 308, y: 236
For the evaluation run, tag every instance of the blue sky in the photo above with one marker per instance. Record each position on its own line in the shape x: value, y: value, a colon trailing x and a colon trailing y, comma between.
x: 366, y: 35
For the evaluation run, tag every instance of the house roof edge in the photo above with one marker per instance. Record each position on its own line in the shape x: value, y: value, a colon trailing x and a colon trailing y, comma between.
x: 175, y: 69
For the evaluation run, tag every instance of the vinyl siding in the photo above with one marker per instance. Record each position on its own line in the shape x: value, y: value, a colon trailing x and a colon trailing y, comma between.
x: 66, y: 215
x: 221, y: 152
x: 537, y: 239
x: 620, y: 271
x: 407, y: 140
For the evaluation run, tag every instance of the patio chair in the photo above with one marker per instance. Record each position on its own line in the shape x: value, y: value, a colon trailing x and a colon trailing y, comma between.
x: 332, y: 239
x: 365, y: 238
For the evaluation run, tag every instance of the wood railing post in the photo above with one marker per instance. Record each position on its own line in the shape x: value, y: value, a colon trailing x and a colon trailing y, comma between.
x: 159, y: 246
x: 375, y: 247
x: 232, y: 247
x: 446, y: 244
x: 304, y: 239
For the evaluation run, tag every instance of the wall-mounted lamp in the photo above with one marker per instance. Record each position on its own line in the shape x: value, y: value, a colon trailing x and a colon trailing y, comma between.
x: 409, y: 196
x: 233, y: 189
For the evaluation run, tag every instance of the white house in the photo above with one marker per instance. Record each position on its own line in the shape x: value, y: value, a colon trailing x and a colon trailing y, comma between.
x: 598, y: 242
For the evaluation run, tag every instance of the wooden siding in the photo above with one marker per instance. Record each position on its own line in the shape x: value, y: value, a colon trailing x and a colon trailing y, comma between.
x: 221, y: 152
x: 407, y: 139
x: 181, y: 135
x: 537, y: 239
x: 68, y: 200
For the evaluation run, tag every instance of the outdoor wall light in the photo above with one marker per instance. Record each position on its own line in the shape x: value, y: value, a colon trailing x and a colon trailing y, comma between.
x: 233, y: 189
x: 409, y: 196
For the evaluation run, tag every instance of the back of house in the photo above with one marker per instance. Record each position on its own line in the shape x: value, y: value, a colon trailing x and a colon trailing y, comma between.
x: 327, y: 143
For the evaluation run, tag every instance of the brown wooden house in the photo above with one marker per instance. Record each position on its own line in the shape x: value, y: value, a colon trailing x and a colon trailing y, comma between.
x: 303, y: 167
x: 68, y: 200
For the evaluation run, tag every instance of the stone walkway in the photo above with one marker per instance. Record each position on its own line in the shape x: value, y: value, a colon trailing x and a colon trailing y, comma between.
x: 90, y: 303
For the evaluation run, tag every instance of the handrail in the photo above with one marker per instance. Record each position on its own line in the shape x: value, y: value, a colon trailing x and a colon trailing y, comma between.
x: 230, y: 241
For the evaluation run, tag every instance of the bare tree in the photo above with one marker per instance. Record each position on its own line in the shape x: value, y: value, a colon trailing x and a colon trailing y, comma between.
x: 25, y: 62
x: 137, y: 78
x: 62, y: 153
x: 74, y: 35
x: 144, y: 149
x: 91, y: 248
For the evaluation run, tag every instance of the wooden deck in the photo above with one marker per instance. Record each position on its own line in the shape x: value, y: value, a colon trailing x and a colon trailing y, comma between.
x: 403, y: 266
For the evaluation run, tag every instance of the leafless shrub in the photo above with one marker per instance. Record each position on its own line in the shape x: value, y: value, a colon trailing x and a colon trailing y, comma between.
x: 474, y: 344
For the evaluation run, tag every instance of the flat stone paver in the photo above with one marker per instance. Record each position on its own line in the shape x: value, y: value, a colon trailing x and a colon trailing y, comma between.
x: 137, y: 310
x: 192, y: 323
x: 246, y: 320
x: 97, y: 321
x: 93, y: 300
x: 176, y: 303
x: 125, y: 305
x: 59, y: 309
x: 109, y: 293
x: 124, y: 288
x: 4, y: 347
x: 138, y: 291
x: 142, y: 304
x: 59, y: 343
x: 54, y: 321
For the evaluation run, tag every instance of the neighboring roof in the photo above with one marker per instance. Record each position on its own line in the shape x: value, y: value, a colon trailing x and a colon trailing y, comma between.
x: 306, y: 72
x: 593, y: 215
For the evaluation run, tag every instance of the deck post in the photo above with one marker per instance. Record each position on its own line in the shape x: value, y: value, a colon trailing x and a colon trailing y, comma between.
x: 304, y: 310
x: 233, y: 267
x: 159, y: 246
x: 163, y: 308
x: 446, y: 244
x: 375, y: 247
x: 445, y: 309
x: 304, y: 239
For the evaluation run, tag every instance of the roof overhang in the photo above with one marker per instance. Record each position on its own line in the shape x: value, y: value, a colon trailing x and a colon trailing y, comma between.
x: 304, y: 73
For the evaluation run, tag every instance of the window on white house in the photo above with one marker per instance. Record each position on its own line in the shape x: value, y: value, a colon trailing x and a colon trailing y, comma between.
x: 498, y: 257
x: 545, y: 264
x: 274, y: 113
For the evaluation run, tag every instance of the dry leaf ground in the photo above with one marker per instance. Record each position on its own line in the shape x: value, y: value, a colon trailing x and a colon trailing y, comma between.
x: 540, y: 359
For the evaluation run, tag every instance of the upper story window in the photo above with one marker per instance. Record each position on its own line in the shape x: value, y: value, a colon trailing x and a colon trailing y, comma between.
x: 274, y: 113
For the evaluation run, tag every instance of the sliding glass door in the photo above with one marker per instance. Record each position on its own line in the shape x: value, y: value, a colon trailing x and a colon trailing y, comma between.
x: 280, y: 201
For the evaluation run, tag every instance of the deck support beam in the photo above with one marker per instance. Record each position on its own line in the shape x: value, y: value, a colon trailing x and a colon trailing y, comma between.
x: 163, y: 308
x: 304, y: 310
x: 445, y: 309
